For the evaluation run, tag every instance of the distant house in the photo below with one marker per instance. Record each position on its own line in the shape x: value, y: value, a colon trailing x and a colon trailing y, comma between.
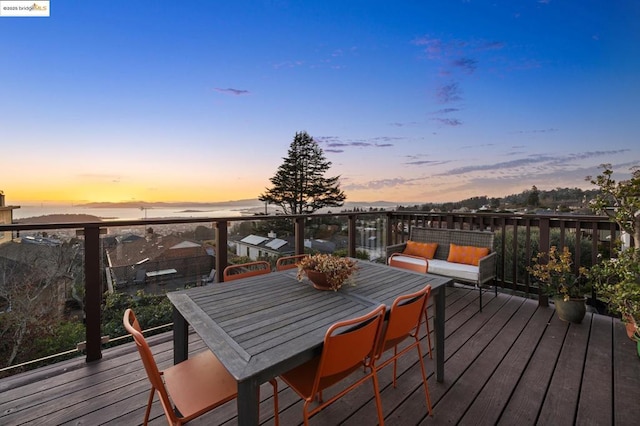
x: 258, y: 247
x: 6, y: 218
x: 322, y: 246
x: 158, y: 259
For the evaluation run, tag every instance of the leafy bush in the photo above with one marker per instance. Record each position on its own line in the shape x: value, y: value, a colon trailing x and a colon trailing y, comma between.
x: 523, y: 261
x: 151, y: 310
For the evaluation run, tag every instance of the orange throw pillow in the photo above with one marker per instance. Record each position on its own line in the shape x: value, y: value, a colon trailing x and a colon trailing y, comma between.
x: 426, y: 250
x: 468, y: 255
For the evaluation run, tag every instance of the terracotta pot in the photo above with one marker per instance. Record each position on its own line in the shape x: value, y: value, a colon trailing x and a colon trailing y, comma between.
x: 318, y: 279
x: 630, y: 325
x: 572, y: 310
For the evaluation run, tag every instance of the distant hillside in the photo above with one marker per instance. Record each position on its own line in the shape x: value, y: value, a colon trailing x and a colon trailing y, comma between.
x: 59, y: 218
x: 563, y: 198
x: 138, y: 204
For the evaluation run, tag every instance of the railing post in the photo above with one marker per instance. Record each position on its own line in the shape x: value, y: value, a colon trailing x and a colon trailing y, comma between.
x: 545, y: 235
x: 389, y: 230
x: 352, y: 235
x: 299, y: 234
x: 93, y: 293
x: 221, y: 248
x: 449, y: 219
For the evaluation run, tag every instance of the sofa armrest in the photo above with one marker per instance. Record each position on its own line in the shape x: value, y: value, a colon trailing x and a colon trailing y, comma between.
x: 396, y: 248
x: 487, y: 268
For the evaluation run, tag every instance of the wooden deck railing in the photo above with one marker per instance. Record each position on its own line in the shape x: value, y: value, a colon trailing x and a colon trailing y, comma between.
x: 518, y: 238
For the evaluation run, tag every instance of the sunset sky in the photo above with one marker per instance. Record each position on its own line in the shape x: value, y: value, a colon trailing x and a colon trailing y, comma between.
x: 412, y: 101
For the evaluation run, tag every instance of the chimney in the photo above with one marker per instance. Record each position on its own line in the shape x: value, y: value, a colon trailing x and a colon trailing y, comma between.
x: 1, y: 198
x: 271, y: 234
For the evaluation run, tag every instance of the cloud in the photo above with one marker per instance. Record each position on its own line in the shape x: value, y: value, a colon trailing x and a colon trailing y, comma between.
x: 234, y: 92
x: 380, y: 184
x: 452, y: 122
x: 458, y: 58
x: 419, y: 160
x: 433, y: 47
x: 522, y: 132
x: 468, y: 65
x: 491, y: 45
x: 333, y: 142
x: 446, y: 110
x: 400, y: 124
x: 449, y: 93
x: 288, y: 64
x: 532, y: 160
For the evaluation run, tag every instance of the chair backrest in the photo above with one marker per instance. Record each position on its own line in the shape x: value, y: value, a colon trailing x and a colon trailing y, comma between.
x: 413, y: 263
x: 404, y: 319
x: 347, y: 344
x: 244, y: 270
x: 132, y: 326
x: 289, y: 262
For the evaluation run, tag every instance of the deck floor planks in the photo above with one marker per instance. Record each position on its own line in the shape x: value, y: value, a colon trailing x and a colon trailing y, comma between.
x: 626, y: 378
x: 596, y: 392
x: 525, y: 402
x: 562, y: 395
x: 476, y: 366
x: 488, y: 406
x: 500, y: 366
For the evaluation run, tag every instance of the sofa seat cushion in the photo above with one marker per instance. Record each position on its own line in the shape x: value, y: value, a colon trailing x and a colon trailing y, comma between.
x: 461, y: 271
x: 414, y: 260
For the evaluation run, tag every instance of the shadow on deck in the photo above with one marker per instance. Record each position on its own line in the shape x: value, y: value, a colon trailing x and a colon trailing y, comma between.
x: 513, y: 363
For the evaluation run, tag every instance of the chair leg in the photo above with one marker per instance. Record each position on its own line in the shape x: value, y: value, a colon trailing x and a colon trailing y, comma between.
x: 424, y: 380
x: 426, y: 319
x: 376, y: 391
x: 146, y: 414
x: 395, y: 364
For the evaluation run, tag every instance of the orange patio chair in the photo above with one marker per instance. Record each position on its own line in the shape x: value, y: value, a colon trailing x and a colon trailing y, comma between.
x: 404, y: 323
x: 417, y: 264
x: 245, y: 270
x: 195, y: 386
x: 289, y: 262
x: 348, y: 346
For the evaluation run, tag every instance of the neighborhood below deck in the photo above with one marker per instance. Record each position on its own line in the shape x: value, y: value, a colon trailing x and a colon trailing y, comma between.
x: 512, y: 363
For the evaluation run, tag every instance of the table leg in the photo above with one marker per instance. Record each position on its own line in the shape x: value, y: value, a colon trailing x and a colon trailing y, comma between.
x: 439, y: 330
x: 180, y: 337
x: 248, y: 403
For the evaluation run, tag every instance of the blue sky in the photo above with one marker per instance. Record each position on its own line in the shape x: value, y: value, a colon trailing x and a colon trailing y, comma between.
x: 412, y: 101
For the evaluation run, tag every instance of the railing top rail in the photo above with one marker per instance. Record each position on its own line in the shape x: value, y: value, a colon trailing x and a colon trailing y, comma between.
x: 169, y: 221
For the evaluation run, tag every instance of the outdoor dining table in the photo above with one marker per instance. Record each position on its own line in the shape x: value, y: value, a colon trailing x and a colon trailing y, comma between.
x: 262, y: 326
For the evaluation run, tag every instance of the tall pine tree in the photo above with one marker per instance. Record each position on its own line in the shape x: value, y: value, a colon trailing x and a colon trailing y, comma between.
x: 299, y: 185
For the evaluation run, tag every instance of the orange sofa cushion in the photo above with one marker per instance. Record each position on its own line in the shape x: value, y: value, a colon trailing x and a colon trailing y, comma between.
x: 426, y: 250
x: 468, y: 255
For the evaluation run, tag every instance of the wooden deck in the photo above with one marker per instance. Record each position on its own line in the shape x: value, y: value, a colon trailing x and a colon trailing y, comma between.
x: 512, y: 363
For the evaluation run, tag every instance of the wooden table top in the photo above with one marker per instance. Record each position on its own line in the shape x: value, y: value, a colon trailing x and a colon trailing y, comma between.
x: 262, y: 326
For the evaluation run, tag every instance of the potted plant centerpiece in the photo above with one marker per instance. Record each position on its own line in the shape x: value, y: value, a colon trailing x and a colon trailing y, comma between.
x: 327, y: 272
x: 555, y: 272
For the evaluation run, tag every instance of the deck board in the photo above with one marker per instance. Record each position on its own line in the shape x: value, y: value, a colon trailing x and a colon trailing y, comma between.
x: 512, y: 363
